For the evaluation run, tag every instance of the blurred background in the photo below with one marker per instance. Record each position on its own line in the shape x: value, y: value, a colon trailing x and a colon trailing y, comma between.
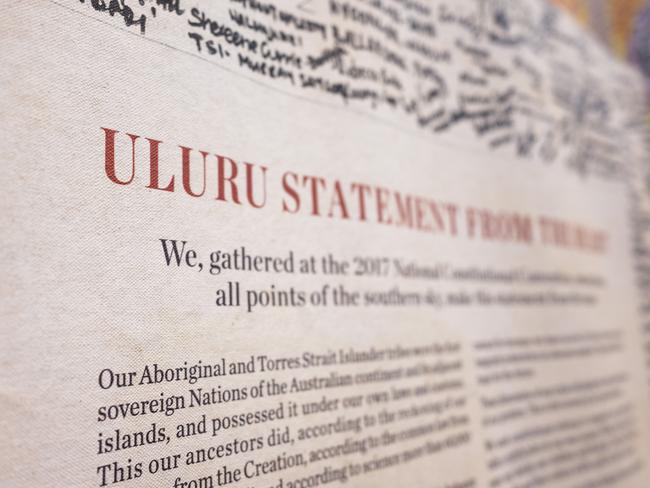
x: 622, y: 25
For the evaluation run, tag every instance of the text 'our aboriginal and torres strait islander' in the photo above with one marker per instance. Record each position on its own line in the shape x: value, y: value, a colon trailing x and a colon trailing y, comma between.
x: 200, y: 370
